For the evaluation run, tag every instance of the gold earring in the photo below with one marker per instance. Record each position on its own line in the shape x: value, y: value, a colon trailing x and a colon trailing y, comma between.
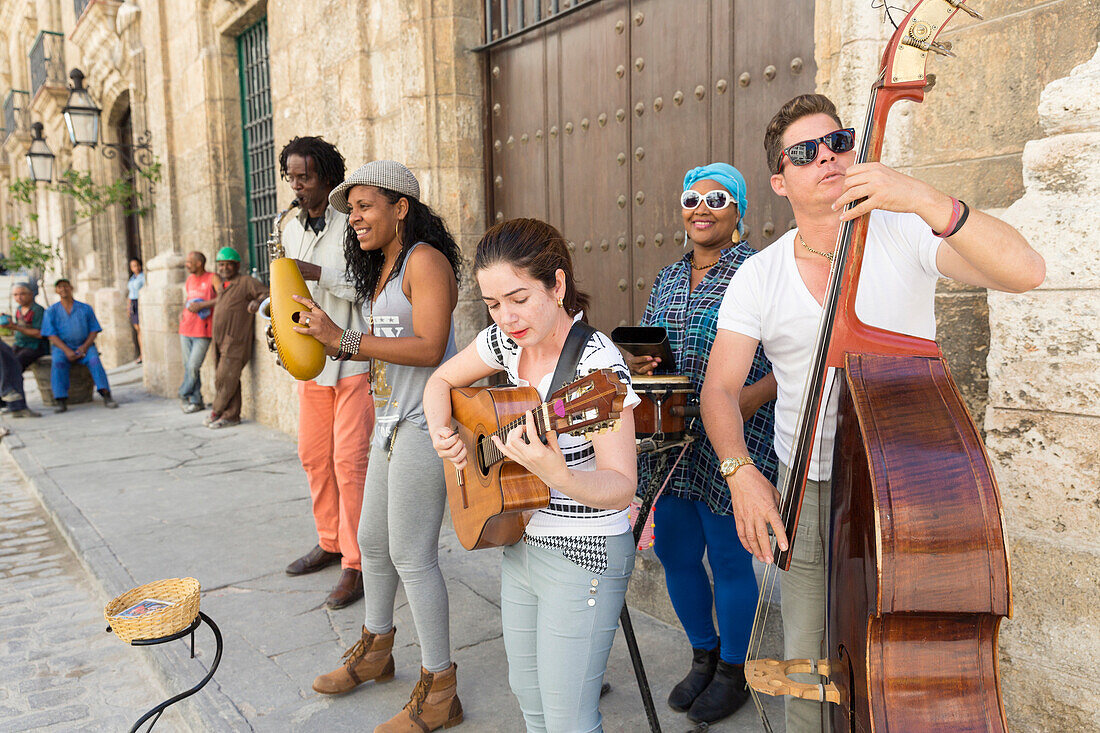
x: 397, y: 231
x: 561, y: 304
x: 736, y: 238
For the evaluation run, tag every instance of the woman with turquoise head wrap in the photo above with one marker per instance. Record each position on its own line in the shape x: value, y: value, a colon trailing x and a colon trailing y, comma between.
x: 693, y: 515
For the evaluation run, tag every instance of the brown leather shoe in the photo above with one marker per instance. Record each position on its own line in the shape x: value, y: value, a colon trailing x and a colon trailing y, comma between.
x: 434, y: 704
x: 369, y: 659
x: 314, y: 560
x: 348, y: 590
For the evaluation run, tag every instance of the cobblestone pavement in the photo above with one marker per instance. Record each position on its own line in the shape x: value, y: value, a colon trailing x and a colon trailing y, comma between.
x: 59, y: 670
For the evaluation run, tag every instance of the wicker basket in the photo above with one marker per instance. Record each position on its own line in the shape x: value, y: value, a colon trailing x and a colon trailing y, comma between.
x: 183, y: 593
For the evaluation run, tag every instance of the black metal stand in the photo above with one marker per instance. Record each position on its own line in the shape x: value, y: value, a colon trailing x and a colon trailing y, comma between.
x: 156, y: 712
x: 624, y: 617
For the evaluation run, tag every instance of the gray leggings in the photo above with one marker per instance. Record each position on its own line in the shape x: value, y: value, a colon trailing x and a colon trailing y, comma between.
x: 399, y: 537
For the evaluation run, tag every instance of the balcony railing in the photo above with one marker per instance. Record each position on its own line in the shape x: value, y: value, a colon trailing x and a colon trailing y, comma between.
x: 15, y: 113
x: 47, y: 62
x: 79, y: 6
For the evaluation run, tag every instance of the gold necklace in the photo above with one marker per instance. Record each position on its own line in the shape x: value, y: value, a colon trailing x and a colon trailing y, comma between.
x: 827, y: 255
x: 702, y: 267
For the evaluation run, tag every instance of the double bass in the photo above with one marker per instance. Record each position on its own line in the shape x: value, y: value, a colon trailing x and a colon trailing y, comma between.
x: 918, y: 573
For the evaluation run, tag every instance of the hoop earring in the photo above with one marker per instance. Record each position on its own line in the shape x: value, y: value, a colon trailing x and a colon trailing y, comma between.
x: 397, y: 231
x: 686, y: 239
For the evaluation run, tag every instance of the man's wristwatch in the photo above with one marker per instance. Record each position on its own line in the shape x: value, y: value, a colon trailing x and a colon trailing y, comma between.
x: 730, y: 465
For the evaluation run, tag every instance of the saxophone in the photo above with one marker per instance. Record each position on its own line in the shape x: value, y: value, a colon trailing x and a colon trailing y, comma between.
x: 301, y: 355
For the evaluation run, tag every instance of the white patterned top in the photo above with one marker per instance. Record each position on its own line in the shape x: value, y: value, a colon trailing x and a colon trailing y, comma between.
x: 564, y: 517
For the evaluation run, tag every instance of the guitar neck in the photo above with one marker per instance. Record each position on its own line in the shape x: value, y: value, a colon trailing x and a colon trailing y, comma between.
x: 491, y: 454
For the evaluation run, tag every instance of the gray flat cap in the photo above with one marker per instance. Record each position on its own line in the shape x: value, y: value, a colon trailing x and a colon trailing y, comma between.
x: 382, y: 173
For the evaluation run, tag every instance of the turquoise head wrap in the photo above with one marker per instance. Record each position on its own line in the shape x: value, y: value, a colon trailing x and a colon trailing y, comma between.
x: 730, y: 178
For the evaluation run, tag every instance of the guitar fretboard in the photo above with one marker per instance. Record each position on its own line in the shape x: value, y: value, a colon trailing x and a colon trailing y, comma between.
x: 489, y: 454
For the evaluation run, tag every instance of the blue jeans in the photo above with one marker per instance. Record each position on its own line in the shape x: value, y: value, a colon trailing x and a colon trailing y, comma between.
x: 11, y: 376
x: 683, y: 530
x: 194, y: 351
x: 59, y: 372
x: 559, y: 621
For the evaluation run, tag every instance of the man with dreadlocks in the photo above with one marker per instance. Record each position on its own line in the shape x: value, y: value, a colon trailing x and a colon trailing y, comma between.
x: 335, y: 410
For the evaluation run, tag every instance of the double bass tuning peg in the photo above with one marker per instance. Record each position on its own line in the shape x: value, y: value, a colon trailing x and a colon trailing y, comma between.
x: 943, y: 49
x: 961, y: 5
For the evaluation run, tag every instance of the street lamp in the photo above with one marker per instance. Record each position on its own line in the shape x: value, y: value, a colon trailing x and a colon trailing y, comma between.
x: 39, y: 157
x: 82, y: 119
x: 81, y: 113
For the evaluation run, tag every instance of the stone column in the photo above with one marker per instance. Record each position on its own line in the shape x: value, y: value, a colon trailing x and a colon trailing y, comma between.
x: 159, y: 309
x: 1043, y: 422
x: 116, y: 345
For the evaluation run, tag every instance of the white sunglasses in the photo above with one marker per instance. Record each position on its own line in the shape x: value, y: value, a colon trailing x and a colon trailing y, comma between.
x: 715, y: 200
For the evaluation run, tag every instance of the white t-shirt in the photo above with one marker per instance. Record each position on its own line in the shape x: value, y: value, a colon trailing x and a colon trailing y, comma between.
x: 768, y: 300
x: 564, y: 516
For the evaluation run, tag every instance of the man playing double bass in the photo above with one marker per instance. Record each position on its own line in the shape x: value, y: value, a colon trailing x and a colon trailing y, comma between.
x: 916, y: 235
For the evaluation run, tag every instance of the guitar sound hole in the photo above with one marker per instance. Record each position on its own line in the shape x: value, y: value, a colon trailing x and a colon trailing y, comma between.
x: 482, y: 443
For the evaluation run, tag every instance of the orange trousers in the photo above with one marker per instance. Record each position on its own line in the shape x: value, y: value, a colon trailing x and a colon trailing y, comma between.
x: 334, y: 431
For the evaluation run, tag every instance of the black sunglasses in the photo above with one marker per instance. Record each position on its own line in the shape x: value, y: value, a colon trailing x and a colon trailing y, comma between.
x: 805, y: 152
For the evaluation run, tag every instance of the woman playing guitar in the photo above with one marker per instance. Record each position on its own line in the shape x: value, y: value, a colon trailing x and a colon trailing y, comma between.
x: 563, y: 584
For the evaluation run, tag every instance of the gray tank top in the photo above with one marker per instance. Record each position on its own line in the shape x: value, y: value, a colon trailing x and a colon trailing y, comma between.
x: 398, y: 389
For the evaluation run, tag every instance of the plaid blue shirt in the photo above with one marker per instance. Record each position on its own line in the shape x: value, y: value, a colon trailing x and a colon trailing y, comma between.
x: 691, y: 320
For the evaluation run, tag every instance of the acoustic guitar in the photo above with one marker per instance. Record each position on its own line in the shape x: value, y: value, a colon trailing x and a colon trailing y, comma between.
x: 493, y: 498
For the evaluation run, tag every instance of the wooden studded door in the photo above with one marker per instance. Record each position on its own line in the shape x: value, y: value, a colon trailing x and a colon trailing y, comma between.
x: 598, y: 109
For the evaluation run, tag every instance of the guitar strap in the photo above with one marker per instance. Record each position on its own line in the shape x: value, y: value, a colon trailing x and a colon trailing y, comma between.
x: 566, y: 370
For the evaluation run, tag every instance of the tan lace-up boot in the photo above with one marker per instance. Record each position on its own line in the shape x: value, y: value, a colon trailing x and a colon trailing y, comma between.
x: 434, y: 704
x: 369, y: 659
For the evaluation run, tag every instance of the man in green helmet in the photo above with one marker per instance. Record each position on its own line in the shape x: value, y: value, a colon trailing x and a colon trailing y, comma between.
x: 234, y: 325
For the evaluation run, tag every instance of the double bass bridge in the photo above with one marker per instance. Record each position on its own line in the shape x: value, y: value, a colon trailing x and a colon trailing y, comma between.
x: 772, y: 677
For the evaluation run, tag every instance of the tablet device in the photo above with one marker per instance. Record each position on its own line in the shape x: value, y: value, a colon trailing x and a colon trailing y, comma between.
x: 645, y: 341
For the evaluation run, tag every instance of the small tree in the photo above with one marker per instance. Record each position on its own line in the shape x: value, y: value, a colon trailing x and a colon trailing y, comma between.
x: 90, y: 199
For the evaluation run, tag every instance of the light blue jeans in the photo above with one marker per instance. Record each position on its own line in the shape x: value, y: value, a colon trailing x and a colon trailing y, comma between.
x: 559, y: 622
x: 194, y: 351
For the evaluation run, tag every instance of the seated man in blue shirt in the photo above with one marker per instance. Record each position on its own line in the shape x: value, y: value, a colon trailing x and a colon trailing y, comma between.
x: 71, y: 327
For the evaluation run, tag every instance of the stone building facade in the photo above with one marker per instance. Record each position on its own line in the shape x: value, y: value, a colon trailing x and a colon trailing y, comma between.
x: 397, y: 79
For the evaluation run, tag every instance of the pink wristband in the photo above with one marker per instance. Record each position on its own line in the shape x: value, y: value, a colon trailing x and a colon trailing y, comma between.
x: 956, y: 212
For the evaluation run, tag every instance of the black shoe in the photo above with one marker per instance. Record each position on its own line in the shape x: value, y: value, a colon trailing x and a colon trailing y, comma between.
x: 703, y: 664
x: 314, y: 560
x: 724, y: 696
x: 108, y: 401
x: 25, y: 412
x: 61, y: 404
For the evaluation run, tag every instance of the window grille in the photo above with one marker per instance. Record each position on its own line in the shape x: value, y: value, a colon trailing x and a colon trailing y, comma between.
x: 15, y: 113
x: 260, y: 174
x: 507, y: 19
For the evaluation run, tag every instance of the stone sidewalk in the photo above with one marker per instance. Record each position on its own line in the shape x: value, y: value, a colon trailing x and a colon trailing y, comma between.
x: 145, y: 492
x: 59, y: 670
